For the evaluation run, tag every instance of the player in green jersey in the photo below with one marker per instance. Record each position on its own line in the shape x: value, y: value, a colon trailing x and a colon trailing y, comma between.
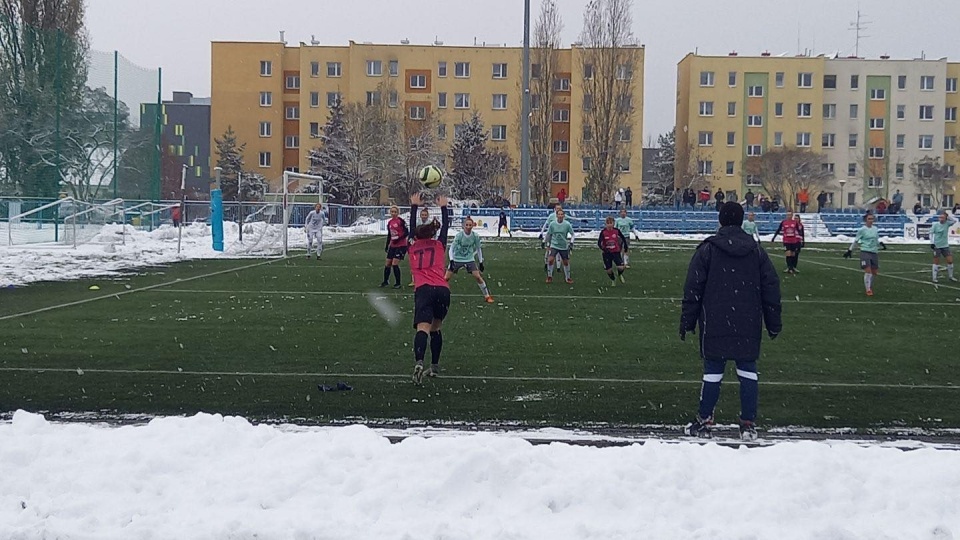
x: 559, y: 238
x: 625, y: 225
x: 940, y: 244
x: 552, y: 218
x: 464, y: 249
x: 750, y: 226
x: 868, y: 238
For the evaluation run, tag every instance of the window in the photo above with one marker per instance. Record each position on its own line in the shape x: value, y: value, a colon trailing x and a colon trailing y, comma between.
x: 803, y: 139
x: 754, y: 120
x: 625, y: 73
x: 293, y: 82
x: 374, y: 68
x: 293, y: 112
x: 852, y: 199
x: 500, y: 71
x: 418, y: 81
x: 731, y: 138
x: 779, y: 79
x: 950, y: 142
x: 902, y: 82
x: 830, y: 82
x: 754, y: 150
x: 753, y: 180
x: 947, y: 201
x: 266, y: 129
x: 729, y: 170
x: 875, y: 152
x: 418, y: 112
x: 804, y: 110
x: 624, y: 103
x: 732, y: 78
x: 926, y: 142
x: 854, y: 111
x: 266, y: 99
x: 534, y: 101
x: 314, y: 130
x: 926, y: 112
x: 461, y: 69
x: 588, y: 102
x: 587, y: 133
x: 899, y: 170
x: 499, y: 102
x: 373, y: 98
x: 291, y: 141
x: 535, y: 71
x: 950, y: 114
x: 805, y: 80
x: 731, y: 108
x: 828, y: 140
x: 829, y: 110
x: 755, y: 91
x: 442, y: 100
x: 587, y: 162
x: 394, y: 68
x: 875, y: 182
x: 561, y: 84
x: 442, y: 132
x: 559, y: 177
x: 264, y: 159
x: 626, y: 135
x: 852, y: 140
x: 588, y: 71
x: 441, y: 69
x: 901, y: 112
x: 705, y: 166
x: 901, y: 141
x: 266, y: 68
x: 706, y: 78
x: 458, y: 130
x: 878, y: 94
x: 561, y: 147
x: 705, y: 138
x: 826, y: 168
x: 314, y: 69
x: 877, y: 123
x: 851, y: 169
x: 561, y: 115
x: 778, y: 138
x: 334, y: 69
x: 393, y: 98
x: 854, y: 82
x: 778, y: 109
x: 461, y: 101
x: 706, y: 108
x: 926, y: 82
x: 952, y: 85
x: 314, y: 99
x: 498, y: 132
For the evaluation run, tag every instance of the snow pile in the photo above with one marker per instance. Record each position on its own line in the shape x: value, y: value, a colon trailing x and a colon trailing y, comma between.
x: 214, y: 477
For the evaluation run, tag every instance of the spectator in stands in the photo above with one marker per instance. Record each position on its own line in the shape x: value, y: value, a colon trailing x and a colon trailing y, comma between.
x: 719, y: 197
x: 803, y: 198
x: 897, y: 202
x: 628, y: 197
x: 618, y: 198
x: 677, y: 198
x: 749, y: 197
x: 175, y: 216
x: 764, y: 203
x: 775, y: 205
x: 881, y: 206
x: 917, y: 209
x: 821, y: 201
x: 689, y: 197
x: 704, y: 198
x: 956, y: 209
x: 562, y: 196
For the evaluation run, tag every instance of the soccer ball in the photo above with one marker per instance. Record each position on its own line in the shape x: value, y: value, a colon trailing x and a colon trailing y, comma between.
x: 431, y: 176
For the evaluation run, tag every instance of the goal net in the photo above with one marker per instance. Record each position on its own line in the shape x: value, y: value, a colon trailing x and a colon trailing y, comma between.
x: 88, y: 224
x: 67, y: 222
x: 266, y: 227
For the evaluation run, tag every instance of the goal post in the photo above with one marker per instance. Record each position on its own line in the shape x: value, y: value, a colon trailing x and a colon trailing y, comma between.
x: 298, y: 188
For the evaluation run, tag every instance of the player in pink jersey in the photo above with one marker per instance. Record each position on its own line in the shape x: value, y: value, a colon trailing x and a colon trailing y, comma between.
x: 396, y: 246
x: 792, y: 240
x: 612, y: 242
x: 431, y: 297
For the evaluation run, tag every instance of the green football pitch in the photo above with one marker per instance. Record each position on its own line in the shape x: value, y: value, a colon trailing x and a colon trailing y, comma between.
x: 255, y: 337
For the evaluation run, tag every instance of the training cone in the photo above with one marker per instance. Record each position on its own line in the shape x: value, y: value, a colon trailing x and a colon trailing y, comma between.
x: 94, y: 288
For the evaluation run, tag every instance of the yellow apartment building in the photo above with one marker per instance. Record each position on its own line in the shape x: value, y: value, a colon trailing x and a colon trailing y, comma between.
x: 276, y: 98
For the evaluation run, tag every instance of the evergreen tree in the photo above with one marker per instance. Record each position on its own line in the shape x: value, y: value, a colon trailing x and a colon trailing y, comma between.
x: 252, y: 186
x: 230, y: 160
x: 473, y: 167
x: 331, y: 158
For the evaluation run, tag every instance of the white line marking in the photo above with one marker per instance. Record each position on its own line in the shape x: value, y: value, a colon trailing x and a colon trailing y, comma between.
x: 158, y: 285
x: 859, y: 271
x: 468, y: 378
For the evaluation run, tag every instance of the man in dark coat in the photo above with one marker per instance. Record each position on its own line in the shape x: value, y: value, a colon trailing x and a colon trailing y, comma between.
x: 731, y: 292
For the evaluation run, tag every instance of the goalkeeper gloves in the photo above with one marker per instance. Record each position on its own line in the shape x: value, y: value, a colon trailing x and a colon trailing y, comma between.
x: 481, y: 266
x: 883, y: 246
x: 933, y: 247
x: 848, y: 254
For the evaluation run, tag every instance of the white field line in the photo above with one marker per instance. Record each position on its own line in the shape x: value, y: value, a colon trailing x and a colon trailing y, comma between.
x: 158, y: 285
x: 464, y: 378
x: 891, y: 276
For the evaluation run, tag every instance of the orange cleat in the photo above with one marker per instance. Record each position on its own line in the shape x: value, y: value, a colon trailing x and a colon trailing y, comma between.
x: 549, y: 279
x: 869, y: 292
x: 489, y: 299
x: 569, y: 281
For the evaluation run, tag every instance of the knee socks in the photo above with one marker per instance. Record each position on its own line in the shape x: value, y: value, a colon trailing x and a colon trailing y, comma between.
x: 436, y: 345
x: 419, y: 346
x: 396, y: 274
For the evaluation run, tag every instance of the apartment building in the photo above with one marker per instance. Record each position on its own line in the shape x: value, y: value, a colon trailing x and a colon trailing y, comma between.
x: 277, y: 98
x: 869, y: 118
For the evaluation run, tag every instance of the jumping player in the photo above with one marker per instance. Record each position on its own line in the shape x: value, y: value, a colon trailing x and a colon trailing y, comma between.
x: 625, y: 225
x: 432, y: 294
x: 396, y: 247
x: 556, y: 238
x: 313, y: 225
x: 612, y: 241
x: 940, y: 244
x: 791, y: 241
x: 869, y: 240
x: 463, y: 250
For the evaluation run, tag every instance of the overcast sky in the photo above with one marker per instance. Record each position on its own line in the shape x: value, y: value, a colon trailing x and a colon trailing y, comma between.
x: 176, y: 34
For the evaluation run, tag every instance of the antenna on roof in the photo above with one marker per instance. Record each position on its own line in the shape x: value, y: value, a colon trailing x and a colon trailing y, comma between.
x: 859, y: 26
x: 313, y: 40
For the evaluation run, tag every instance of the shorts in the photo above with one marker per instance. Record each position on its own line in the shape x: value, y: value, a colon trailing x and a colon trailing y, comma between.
x: 869, y: 260
x: 455, y: 266
x: 430, y: 303
x: 564, y: 253
x: 941, y: 252
x: 397, y: 253
x: 612, y: 259
x: 793, y: 246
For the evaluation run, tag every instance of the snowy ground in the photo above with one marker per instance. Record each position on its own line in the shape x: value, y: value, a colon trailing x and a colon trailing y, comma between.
x: 209, y: 477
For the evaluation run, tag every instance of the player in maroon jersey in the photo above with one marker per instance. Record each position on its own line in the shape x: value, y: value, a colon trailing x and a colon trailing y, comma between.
x: 396, y: 246
x: 792, y: 240
x: 611, y: 242
x: 431, y: 297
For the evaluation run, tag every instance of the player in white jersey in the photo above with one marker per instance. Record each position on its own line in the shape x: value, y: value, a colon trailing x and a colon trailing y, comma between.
x: 313, y: 226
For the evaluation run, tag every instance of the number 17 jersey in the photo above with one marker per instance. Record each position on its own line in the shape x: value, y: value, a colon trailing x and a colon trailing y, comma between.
x: 428, y: 263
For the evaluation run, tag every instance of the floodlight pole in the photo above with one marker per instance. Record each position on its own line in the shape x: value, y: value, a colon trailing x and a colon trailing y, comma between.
x: 525, y: 110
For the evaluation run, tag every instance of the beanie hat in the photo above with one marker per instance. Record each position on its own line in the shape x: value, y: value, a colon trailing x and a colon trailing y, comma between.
x: 731, y: 213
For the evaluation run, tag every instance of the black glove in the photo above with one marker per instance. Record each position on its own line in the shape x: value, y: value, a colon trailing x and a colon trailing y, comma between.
x: 883, y: 246
x: 847, y: 254
x: 773, y: 335
x: 683, y: 332
x: 933, y: 247
x: 481, y: 266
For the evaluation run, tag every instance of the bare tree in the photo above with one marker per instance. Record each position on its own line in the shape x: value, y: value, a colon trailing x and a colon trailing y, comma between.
x: 420, y: 147
x: 784, y: 172
x: 608, y: 63
x: 693, y: 167
x: 932, y: 177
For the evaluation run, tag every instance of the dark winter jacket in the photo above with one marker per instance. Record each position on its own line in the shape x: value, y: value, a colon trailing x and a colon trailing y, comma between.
x: 731, y: 292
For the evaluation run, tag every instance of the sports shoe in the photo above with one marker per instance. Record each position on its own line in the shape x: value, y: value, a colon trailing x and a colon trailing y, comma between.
x: 433, y: 370
x: 786, y: 270
x: 397, y: 286
x: 869, y: 292
x: 613, y: 283
x: 748, y: 431
x: 700, y: 427
x: 953, y: 278
x: 384, y: 284
x: 489, y: 299
x: 934, y: 280
x: 622, y: 279
x: 795, y: 271
x: 308, y: 256
x: 549, y: 279
x: 418, y: 374
x: 569, y: 281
